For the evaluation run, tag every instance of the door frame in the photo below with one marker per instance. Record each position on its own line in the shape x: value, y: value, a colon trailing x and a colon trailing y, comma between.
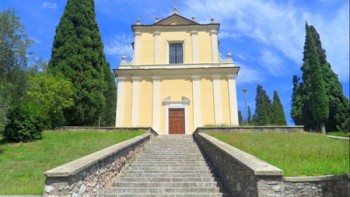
x: 176, y: 105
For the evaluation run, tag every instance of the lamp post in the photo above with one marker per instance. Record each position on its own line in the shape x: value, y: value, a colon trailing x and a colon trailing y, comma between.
x: 245, y: 102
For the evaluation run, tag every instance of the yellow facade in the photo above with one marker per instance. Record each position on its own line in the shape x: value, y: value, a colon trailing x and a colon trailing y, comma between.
x: 176, y: 97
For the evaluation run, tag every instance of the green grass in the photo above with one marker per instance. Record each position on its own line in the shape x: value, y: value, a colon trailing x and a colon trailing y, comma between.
x: 297, y: 153
x: 22, y: 165
x: 339, y: 133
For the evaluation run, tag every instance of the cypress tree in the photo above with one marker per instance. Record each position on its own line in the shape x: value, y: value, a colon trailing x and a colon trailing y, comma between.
x: 319, y: 100
x: 77, y: 54
x: 249, y: 119
x: 297, y: 101
x: 263, y: 109
x: 240, y: 117
x: 279, y: 118
x: 338, y: 103
x: 108, y: 115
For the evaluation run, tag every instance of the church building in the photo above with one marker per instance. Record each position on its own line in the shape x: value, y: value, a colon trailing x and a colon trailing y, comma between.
x: 176, y: 80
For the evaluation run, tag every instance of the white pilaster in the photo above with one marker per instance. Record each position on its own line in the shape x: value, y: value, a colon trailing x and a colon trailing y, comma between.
x: 135, y: 101
x: 156, y: 46
x: 233, y: 99
x: 217, y: 99
x: 197, y: 114
x: 214, y: 45
x: 137, y: 47
x: 156, y: 103
x: 194, y: 46
x: 119, y: 120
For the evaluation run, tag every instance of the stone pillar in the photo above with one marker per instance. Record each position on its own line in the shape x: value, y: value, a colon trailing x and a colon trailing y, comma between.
x: 135, y: 105
x: 214, y: 45
x: 156, y: 46
x: 156, y: 103
x: 233, y: 99
x: 194, y: 46
x: 217, y: 99
x: 137, y: 47
x: 197, y: 114
x: 119, y: 120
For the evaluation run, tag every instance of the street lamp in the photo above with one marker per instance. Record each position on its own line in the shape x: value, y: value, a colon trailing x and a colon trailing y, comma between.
x: 245, y: 101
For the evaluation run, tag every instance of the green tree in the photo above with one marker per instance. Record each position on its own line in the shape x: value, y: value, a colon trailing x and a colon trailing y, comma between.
x: 52, y: 94
x: 77, y: 53
x: 319, y: 100
x: 297, y: 101
x: 263, y: 107
x: 279, y: 118
x: 240, y: 117
x: 249, y: 119
x: 338, y: 103
x: 108, y: 115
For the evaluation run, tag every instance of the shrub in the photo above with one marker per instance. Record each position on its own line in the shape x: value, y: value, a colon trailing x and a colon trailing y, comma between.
x: 23, y: 125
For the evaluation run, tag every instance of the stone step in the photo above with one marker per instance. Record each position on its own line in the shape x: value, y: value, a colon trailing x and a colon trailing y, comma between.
x: 167, y: 171
x: 169, y: 179
x: 218, y: 194
x: 147, y: 190
x: 165, y: 184
x: 168, y: 168
x: 165, y: 162
x: 158, y: 175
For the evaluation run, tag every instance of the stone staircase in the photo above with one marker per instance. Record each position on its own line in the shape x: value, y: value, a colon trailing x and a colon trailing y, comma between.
x: 170, y: 166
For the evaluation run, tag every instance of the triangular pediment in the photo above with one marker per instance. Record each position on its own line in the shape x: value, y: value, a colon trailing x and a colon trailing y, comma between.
x: 175, y: 19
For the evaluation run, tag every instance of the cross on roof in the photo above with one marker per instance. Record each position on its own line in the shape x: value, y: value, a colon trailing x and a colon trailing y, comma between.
x: 175, y: 9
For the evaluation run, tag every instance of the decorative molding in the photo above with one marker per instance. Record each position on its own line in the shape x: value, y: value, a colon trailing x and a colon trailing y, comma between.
x: 197, y: 114
x: 214, y: 45
x: 137, y: 47
x: 194, y: 46
x: 156, y: 103
x: 217, y: 99
x: 156, y: 46
x: 183, y: 104
x: 120, y: 102
x: 135, y: 106
x: 231, y: 80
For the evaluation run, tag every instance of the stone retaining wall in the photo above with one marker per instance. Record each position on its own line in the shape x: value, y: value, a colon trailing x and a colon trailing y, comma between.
x: 245, y: 175
x: 90, y: 175
x: 242, y: 174
x: 329, y: 186
x: 116, y: 129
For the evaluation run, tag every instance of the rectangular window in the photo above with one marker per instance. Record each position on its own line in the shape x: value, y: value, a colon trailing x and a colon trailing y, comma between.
x: 176, y: 53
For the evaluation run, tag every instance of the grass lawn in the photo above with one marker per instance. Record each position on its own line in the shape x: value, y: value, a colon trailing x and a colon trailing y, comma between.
x: 22, y: 165
x: 339, y: 133
x: 297, y: 153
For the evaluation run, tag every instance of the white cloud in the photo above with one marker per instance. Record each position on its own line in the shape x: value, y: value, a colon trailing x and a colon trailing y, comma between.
x: 279, y: 26
x: 49, y: 5
x: 272, y: 63
x: 120, y: 45
x: 248, y: 75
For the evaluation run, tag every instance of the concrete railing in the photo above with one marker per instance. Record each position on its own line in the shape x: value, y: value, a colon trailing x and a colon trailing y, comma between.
x: 90, y: 175
x: 241, y: 173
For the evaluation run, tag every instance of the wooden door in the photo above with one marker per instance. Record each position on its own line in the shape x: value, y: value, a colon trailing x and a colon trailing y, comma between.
x: 176, y: 121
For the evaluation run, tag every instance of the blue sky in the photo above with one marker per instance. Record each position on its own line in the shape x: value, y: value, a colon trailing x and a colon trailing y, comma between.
x: 265, y: 37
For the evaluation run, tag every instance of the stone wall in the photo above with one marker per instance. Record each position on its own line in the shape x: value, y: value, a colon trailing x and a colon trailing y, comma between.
x: 328, y: 186
x: 90, y: 175
x: 242, y: 174
x: 114, y: 129
x: 245, y: 175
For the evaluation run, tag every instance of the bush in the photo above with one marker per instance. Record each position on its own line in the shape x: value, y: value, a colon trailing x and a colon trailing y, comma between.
x: 23, y: 125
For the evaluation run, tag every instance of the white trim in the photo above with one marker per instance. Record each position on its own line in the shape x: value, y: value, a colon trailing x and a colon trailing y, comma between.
x: 231, y: 79
x: 135, y: 106
x: 217, y: 99
x: 214, y: 45
x: 176, y: 105
x: 197, y: 114
x: 156, y: 103
x: 137, y: 47
x: 156, y: 46
x: 194, y: 46
x: 119, y: 119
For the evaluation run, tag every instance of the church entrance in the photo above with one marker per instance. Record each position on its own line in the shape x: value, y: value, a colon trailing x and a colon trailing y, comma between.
x: 177, y: 121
